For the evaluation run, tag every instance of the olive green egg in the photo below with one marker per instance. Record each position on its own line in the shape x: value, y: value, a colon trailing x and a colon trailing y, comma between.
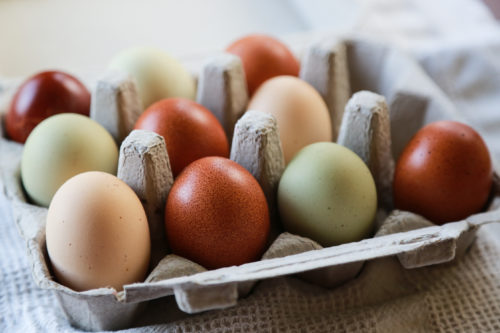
x: 327, y: 193
x: 61, y: 147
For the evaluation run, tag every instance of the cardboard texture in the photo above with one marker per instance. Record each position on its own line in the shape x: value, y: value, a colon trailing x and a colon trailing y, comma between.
x: 365, y: 130
x: 325, y: 67
x: 222, y: 89
x: 256, y: 146
x: 115, y: 104
x: 403, y: 99
x: 144, y: 165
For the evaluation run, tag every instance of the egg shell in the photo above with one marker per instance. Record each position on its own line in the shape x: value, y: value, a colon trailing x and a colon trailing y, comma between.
x: 263, y: 57
x: 216, y: 214
x: 327, y: 194
x: 300, y: 111
x: 61, y: 147
x: 190, y: 131
x: 41, y: 96
x: 444, y: 173
x: 157, y: 74
x: 97, y: 233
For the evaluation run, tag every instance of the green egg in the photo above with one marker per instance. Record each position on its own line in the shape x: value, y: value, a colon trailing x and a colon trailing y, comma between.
x: 61, y: 147
x: 327, y: 194
x: 156, y: 73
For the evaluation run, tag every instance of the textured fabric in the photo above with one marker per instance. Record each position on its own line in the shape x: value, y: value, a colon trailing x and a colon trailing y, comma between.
x: 463, y: 295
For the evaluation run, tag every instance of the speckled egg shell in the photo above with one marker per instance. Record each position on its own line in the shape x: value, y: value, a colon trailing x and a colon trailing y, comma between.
x: 190, y: 131
x: 216, y: 214
x: 444, y: 173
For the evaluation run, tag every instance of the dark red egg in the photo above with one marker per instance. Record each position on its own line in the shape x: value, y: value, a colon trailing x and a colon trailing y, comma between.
x: 190, y: 131
x: 42, y: 96
x: 263, y: 57
x: 444, y: 173
x: 216, y: 214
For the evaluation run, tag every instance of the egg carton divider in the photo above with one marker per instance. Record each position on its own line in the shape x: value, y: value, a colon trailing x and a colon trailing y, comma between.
x: 363, y: 250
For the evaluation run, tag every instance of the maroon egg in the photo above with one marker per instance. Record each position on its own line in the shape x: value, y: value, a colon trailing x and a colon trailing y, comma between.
x: 444, y: 173
x: 42, y: 96
x: 216, y: 214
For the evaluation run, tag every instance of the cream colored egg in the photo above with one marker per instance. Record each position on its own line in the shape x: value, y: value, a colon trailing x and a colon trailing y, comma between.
x: 97, y: 233
x: 157, y: 74
x: 299, y: 109
x: 61, y: 147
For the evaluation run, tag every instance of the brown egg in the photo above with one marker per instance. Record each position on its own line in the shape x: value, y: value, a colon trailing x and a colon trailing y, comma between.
x: 217, y: 214
x: 263, y: 57
x: 190, y: 131
x: 444, y: 173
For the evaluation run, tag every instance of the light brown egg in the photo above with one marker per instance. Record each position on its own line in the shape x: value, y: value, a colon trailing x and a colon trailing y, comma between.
x: 299, y: 109
x: 97, y: 233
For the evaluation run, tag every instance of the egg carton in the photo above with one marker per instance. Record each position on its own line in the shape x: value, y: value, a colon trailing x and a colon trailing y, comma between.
x: 363, y: 123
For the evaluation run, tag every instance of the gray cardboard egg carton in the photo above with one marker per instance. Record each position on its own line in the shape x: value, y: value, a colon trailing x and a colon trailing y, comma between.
x: 362, y: 123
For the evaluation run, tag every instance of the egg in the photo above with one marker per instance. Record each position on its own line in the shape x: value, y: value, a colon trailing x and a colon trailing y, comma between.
x: 216, y: 214
x: 97, y: 233
x: 190, y: 131
x: 156, y: 73
x: 327, y: 194
x: 444, y: 173
x: 41, y: 96
x: 300, y: 112
x: 263, y: 57
x: 61, y: 147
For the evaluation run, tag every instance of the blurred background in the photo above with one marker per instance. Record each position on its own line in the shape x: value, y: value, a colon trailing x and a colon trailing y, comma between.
x: 82, y: 36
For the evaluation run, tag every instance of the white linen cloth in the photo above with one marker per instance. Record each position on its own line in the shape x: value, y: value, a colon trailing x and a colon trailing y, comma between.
x: 460, y: 296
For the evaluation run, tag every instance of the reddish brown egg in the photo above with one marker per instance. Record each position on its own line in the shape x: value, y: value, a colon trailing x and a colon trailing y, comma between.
x: 190, y: 131
x: 42, y: 96
x: 444, y: 173
x: 217, y: 214
x: 263, y: 57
